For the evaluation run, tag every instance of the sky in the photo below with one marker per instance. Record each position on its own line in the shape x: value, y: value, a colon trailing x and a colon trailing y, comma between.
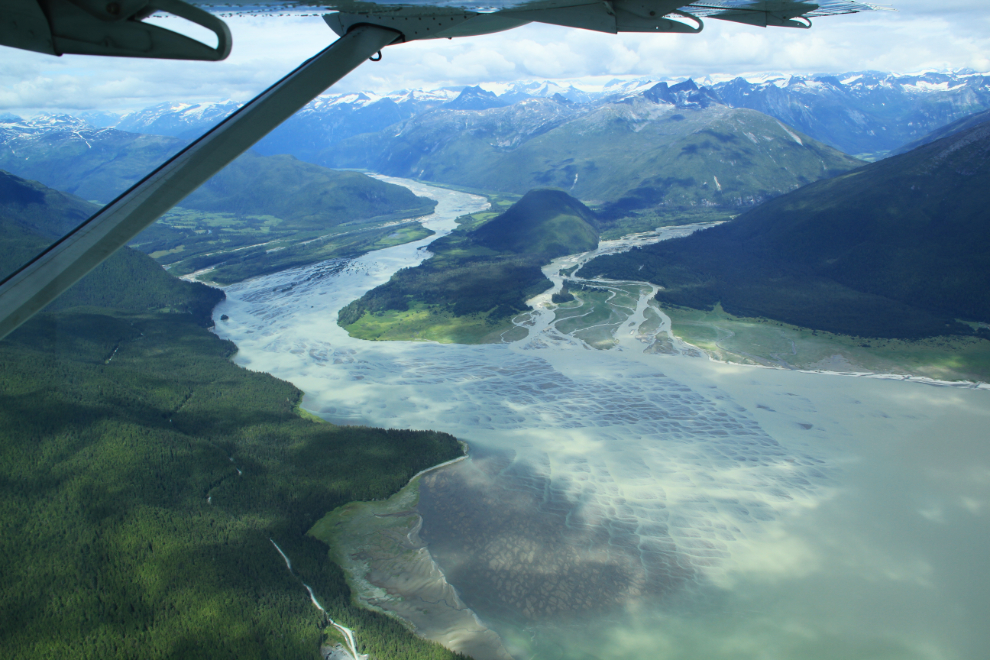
x: 920, y: 35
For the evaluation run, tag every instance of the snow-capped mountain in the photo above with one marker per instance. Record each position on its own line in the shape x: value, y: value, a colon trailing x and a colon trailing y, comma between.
x: 683, y: 95
x: 620, y: 88
x: 40, y: 124
x: 515, y: 92
x: 866, y: 112
x: 334, y: 117
x: 69, y: 154
x: 185, y: 120
x: 863, y: 113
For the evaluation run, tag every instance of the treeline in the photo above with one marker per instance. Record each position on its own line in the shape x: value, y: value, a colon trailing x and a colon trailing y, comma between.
x: 562, y: 296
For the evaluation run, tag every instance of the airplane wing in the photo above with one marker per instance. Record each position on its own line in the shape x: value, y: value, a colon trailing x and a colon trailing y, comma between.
x: 119, y: 28
x: 775, y: 13
x: 473, y: 17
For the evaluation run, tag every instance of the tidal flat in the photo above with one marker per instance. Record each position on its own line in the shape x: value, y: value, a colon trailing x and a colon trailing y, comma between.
x: 645, y: 501
x: 390, y: 569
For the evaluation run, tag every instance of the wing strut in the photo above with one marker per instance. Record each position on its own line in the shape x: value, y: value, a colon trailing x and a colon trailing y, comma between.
x: 53, y: 271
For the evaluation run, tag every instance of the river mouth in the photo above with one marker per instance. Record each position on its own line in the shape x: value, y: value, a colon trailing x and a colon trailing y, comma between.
x: 668, y: 506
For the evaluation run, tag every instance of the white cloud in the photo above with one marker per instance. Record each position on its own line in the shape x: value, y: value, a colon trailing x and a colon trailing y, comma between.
x: 921, y: 35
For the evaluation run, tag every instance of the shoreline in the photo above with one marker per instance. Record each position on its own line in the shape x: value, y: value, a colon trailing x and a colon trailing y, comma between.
x: 912, y: 378
x: 906, y: 377
x: 458, y: 628
x: 751, y: 457
x: 390, y: 570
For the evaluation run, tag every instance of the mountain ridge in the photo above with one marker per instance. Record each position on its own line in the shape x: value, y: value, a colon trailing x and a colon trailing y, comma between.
x: 637, y: 153
x: 970, y: 121
x: 897, y: 248
x: 69, y: 155
x: 864, y: 112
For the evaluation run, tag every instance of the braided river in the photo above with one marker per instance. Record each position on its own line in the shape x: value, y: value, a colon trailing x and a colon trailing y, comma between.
x: 627, y: 497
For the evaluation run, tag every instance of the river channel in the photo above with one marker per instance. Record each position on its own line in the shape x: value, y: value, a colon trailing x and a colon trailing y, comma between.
x: 628, y: 497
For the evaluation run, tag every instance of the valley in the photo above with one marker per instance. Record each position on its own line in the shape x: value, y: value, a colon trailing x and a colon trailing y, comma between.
x: 658, y: 372
x: 644, y: 152
x: 259, y: 215
x: 894, y: 250
x: 721, y: 500
x: 223, y: 248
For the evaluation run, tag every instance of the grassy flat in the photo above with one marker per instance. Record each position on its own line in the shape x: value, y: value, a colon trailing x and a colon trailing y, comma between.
x: 772, y: 343
x: 424, y: 323
x: 640, y: 221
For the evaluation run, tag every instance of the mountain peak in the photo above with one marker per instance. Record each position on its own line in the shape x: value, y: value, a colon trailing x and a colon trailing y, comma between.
x: 51, y: 120
x: 686, y: 86
x: 683, y: 94
x: 545, y: 221
x: 474, y: 98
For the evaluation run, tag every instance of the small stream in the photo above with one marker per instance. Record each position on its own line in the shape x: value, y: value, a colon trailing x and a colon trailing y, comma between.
x: 346, y: 632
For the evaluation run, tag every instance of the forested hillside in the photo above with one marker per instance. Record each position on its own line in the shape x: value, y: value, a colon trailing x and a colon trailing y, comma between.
x: 549, y: 223
x: 69, y: 155
x: 301, y: 194
x: 898, y: 248
x: 479, y: 276
x: 35, y: 208
x: 144, y: 476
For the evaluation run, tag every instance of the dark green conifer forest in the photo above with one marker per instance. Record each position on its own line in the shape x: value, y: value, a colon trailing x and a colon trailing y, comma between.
x: 144, y: 476
x: 489, y: 268
x: 899, y: 248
